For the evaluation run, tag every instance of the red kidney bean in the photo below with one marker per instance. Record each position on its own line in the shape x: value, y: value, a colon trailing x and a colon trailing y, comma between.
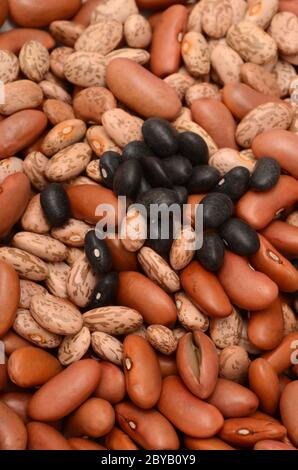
x: 266, y: 327
x: 282, y: 356
x: 289, y: 410
x: 283, y: 236
x: 14, y: 40
x: 263, y: 380
x: 41, y: 436
x: 111, y: 386
x: 13, y: 434
x: 233, y: 400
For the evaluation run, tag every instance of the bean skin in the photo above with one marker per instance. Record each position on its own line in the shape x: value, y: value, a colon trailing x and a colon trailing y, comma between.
x: 233, y: 400
x: 9, y: 296
x: 281, y: 356
x: 14, y: 40
x: 166, y: 41
x: 268, y: 444
x: 111, y: 386
x: 234, y: 183
x: 17, y: 402
x: 13, y: 434
x: 3, y: 11
x: 148, y: 428
x: 212, y: 253
x: 283, y: 236
x: 142, y: 372
x: 266, y: 327
x: 213, y: 443
x: 289, y: 410
x: 122, y: 260
x: 150, y: 97
x: 204, y: 288
x: 263, y: 380
x: 41, y: 436
x: 265, y: 175
x: 118, y: 440
x: 240, y: 237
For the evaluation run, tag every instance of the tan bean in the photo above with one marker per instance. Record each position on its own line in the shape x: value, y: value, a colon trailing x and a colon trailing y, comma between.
x: 9, y: 66
x: 102, y: 37
x: 113, y: 320
x: 107, y: 347
x: 26, y: 265
x: 162, y: 339
x: 99, y: 140
x: 137, y: 31
x: 34, y: 219
x: 260, y: 79
x: 228, y: 70
x: 28, y: 328
x: 261, y: 12
x: 66, y: 32
x: 43, y: 246
x: 35, y: 165
x: 56, y: 281
x: 189, y: 315
x: 234, y: 363
x: 195, y: 53
x: 57, y: 111
x: 226, y: 332
x: 122, y: 127
x: 85, y: 69
x: 284, y: 30
x: 34, y: 60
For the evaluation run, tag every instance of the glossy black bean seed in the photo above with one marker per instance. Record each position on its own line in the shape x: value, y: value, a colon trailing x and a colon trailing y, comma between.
x: 161, y: 137
x: 193, y: 147
x: 97, y: 253
x: 127, y: 179
x: 211, y: 255
x: 55, y: 204
x: 240, y: 237
x: 235, y: 183
x: 217, y: 209
x: 182, y: 193
x: 108, y: 165
x: 158, y: 196
x: 155, y: 174
x: 204, y: 178
x: 136, y: 150
x: 105, y: 291
x: 178, y: 169
x: 265, y: 175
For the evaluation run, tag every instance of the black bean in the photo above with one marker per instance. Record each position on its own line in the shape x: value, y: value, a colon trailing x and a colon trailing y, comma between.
x: 203, y: 179
x: 144, y: 187
x: 158, y: 196
x: 240, y: 237
x: 155, y: 173
x: 161, y: 137
x: 217, y: 209
x: 127, y: 179
x: 266, y: 174
x: 193, y: 147
x: 182, y: 194
x: 159, y: 242
x: 178, y: 169
x: 136, y: 150
x: 105, y: 291
x: 55, y: 204
x: 211, y: 255
x: 108, y: 165
x: 98, y: 253
x: 235, y: 183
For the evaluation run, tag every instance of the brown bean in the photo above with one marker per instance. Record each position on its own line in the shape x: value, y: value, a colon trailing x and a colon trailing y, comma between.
x: 283, y: 381
x: 268, y: 444
x: 246, y: 432
x: 3, y: 376
x: 3, y: 11
x: 210, y: 114
x: 91, y: 103
x: 70, y: 388
x: 289, y: 410
x: 31, y: 367
x: 240, y: 99
x: 280, y: 145
x: 77, y: 443
x: 233, y: 400
x: 263, y: 380
x: 41, y: 436
x: 276, y: 266
x: 283, y: 236
x: 118, y: 440
x: 213, y: 443
x: 153, y: 304
x: 57, y: 111
x: 14, y: 40
x: 167, y: 365
x: 205, y: 291
x: 288, y: 5
x: 85, y: 199
x: 122, y: 260
x: 18, y: 402
x: 13, y: 434
x: 197, y: 362
x: 281, y: 358
x: 266, y: 327
x: 166, y: 41
x: 9, y: 296
x: 259, y: 209
x: 157, y: 4
x: 111, y: 386
x: 148, y: 428
x: 94, y: 418
x: 14, y: 197
x: 37, y: 13
x: 245, y: 287
x: 188, y: 413
x: 20, y: 130
x: 142, y: 372
x: 12, y: 342
x: 150, y: 96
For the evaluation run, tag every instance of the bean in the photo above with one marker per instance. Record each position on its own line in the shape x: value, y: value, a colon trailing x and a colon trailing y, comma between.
x: 148, y: 428
x: 166, y: 41
x: 203, y: 179
x: 213, y: 443
x: 161, y: 137
x: 266, y: 327
x: 281, y: 356
x: 240, y: 237
x: 151, y: 97
x: 268, y: 444
x: 97, y: 253
x: 217, y: 208
x: 193, y: 147
x: 36, y: 14
x: 13, y: 431
x: 155, y: 173
x: 283, y: 237
x: 127, y: 179
x: 155, y: 305
x: 197, y: 363
x: 77, y: 443
x: 14, y: 40
x: 136, y: 149
x: 265, y: 175
x: 55, y: 204
x: 108, y: 164
x: 211, y: 255
x: 17, y: 402
x: 111, y: 386
x: 288, y: 410
x: 263, y: 380
x: 233, y: 400
x: 178, y: 169
x: 158, y: 196
x: 234, y: 183
x: 71, y: 388
x: 122, y: 260
x: 210, y: 297
x: 9, y: 296
x: 41, y: 436
x: 3, y: 12
x: 118, y: 440
x: 167, y: 365
x: 13, y: 342
x: 105, y: 291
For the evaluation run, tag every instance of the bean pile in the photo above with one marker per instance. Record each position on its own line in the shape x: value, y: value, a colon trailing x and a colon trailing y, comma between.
x: 135, y: 342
